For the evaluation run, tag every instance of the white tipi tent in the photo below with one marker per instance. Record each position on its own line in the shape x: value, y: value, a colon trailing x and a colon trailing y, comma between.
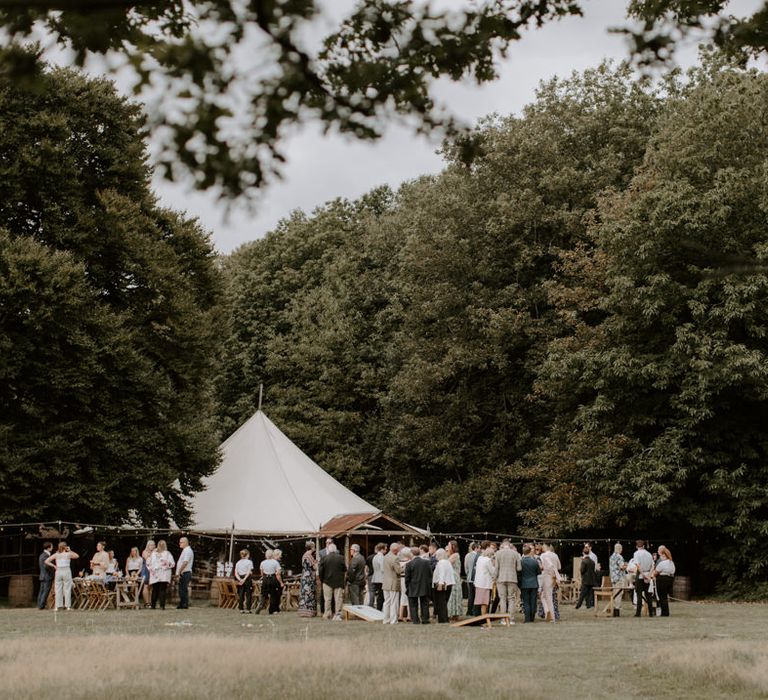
x: 267, y: 485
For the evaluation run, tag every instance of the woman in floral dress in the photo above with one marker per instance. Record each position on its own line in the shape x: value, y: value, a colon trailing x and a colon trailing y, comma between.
x: 308, y: 584
x: 455, y: 602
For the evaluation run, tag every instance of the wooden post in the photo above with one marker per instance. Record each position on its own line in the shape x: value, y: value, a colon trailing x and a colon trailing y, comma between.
x: 346, y: 549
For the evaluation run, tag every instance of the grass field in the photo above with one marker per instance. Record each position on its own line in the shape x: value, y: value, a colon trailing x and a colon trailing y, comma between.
x: 702, y: 651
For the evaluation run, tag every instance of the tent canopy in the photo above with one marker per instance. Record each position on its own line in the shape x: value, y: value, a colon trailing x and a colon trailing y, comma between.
x: 267, y: 485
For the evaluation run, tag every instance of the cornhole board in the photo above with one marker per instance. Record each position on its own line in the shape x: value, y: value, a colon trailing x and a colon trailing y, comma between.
x: 487, y: 619
x: 363, y: 612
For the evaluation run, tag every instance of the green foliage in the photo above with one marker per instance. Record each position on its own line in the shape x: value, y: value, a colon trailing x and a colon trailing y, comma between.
x: 398, y: 337
x: 221, y: 119
x: 666, y: 22
x: 659, y: 386
x: 564, y: 331
x: 107, y: 306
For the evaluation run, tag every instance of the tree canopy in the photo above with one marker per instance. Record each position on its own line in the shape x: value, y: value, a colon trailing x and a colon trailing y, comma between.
x: 227, y: 78
x: 566, y: 334
x: 106, y: 315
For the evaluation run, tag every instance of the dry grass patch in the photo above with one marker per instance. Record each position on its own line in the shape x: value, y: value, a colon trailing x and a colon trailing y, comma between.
x: 175, y: 667
x: 727, y: 666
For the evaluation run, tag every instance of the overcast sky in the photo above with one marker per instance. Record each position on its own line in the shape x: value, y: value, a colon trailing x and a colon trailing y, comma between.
x: 322, y: 167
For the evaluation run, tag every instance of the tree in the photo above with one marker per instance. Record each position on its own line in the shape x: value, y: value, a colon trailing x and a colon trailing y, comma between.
x: 479, y: 251
x: 659, y: 388
x: 665, y: 22
x: 222, y: 121
x: 398, y: 336
x: 308, y: 315
x: 107, y: 305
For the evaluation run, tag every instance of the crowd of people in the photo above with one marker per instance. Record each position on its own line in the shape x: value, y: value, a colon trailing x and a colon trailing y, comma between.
x: 404, y: 583
x: 425, y: 582
x: 155, y: 567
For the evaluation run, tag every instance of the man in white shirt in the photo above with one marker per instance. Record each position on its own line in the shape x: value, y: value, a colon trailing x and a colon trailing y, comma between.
x: 184, y: 572
x: 243, y: 571
x: 644, y: 563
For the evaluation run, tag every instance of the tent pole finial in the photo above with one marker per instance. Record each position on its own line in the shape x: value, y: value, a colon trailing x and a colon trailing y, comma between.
x: 261, y: 391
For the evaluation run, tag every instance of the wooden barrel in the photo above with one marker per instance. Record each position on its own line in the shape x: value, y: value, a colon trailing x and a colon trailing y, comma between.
x: 681, y: 587
x: 214, y: 595
x: 21, y: 590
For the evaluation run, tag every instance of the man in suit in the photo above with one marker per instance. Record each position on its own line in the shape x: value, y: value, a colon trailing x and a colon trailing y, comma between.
x: 356, y: 575
x: 593, y: 557
x: 587, y: 570
x: 331, y: 571
x: 46, y: 576
x: 507, y: 567
x: 370, y: 595
x: 418, y: 586
x: 432, y: 558
x: 391, y: 585
x: 529, y: 582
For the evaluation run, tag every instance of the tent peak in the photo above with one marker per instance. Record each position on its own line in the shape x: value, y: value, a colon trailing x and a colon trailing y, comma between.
x: 265, y: 483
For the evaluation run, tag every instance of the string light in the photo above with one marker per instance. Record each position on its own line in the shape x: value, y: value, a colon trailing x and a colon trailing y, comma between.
x: 137, y: 531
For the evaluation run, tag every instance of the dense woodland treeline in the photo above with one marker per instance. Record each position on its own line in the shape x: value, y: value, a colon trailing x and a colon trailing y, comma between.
x: 107, y: 310
x: 564, y: 331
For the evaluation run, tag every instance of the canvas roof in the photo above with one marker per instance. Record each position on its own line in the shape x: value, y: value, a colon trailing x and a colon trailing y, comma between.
x: 266, y: 485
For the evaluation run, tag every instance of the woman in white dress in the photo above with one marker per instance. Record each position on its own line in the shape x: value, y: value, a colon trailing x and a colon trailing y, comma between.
x: 403, y: 557
x: 161, y: 563
x: 63, y: 579
x: 485, y: 573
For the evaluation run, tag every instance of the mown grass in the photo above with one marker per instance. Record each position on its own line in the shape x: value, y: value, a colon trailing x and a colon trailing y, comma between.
x: 702, y: 651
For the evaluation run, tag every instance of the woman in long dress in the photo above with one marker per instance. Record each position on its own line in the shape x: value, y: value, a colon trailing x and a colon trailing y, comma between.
x: 456, y: 601
x: 308, y: 583
x: 146, y: 591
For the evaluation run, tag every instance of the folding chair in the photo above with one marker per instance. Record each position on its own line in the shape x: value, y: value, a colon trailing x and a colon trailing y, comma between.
x: 227, y: 594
